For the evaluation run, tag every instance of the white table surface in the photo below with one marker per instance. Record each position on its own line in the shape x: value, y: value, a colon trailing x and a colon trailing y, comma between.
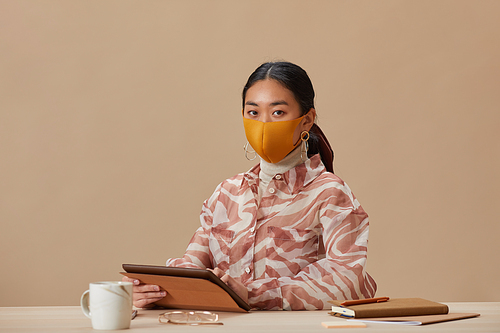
x: 71, y: 319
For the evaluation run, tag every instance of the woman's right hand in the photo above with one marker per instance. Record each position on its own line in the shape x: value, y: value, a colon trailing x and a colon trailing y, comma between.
x: 144, y: 295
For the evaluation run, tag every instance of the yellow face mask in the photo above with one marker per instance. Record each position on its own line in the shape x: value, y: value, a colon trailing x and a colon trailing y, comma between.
x: 272, y: 140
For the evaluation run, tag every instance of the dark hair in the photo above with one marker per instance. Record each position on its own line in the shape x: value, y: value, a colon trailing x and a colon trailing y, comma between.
x: 295, y: 79
x: 291, y: 76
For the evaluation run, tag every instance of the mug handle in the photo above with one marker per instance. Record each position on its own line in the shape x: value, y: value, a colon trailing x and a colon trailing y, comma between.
x: 84, y: 302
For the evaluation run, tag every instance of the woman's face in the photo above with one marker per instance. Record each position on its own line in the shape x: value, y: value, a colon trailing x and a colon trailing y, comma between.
x: 269, y: 100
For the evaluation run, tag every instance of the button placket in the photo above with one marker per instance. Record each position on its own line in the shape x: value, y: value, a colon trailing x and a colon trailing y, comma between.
x: 278, y: 184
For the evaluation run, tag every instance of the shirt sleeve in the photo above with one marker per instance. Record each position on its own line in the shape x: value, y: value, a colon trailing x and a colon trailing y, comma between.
x: 340, y: 275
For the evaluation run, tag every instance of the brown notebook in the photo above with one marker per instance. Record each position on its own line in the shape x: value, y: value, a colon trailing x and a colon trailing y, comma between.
x: 394, y: 307
x: 188, y: 288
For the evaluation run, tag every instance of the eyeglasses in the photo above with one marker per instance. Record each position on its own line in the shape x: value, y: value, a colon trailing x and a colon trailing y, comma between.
x: 189, y: 318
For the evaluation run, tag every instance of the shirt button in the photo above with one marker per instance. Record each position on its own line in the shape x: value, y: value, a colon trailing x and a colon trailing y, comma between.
x: 247, y: 270
x: 272, y: 190
x: 252, y: 229
x: 278, y: 177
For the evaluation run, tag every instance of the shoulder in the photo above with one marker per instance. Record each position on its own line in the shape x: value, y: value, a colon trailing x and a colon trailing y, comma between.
x: 330, y: 178
x: 235, y: 183
x: 236, y: 180
x: 326, y: 179
x: 331, y: 188
x: 229, y: 191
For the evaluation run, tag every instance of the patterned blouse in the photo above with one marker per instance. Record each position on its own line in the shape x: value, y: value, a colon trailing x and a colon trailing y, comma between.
x: 305, y: 244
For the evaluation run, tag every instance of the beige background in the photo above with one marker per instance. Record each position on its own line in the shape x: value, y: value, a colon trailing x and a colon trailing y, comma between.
x: 118, y: 118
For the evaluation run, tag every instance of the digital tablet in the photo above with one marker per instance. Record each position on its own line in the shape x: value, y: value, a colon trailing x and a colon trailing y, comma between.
x: 188, y: 288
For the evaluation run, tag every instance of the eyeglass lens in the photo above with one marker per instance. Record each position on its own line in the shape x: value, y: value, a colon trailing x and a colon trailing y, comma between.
x: 190, y: 317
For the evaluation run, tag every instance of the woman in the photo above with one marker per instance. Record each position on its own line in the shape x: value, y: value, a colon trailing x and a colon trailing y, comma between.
x: 288, y: 234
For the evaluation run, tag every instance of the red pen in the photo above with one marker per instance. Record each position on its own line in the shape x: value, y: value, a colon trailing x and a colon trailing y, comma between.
x: 365, y: 301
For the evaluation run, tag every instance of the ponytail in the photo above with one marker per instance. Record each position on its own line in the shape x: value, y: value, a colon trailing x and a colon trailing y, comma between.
x: 318, y: 144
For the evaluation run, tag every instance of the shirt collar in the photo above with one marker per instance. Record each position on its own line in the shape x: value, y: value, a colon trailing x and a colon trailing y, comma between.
x: 295, y: 178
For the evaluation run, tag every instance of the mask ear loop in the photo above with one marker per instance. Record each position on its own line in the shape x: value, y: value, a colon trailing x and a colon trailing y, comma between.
x: 304, y: 146
x: 245, y: 147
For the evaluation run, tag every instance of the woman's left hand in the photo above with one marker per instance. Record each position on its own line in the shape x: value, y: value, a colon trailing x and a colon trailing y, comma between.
x: 234, y: 284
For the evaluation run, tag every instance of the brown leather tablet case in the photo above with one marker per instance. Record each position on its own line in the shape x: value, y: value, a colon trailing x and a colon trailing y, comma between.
x: 188, y: 288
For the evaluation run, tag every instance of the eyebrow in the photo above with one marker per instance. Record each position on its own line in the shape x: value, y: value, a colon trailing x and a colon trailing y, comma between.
x: 272, y: 104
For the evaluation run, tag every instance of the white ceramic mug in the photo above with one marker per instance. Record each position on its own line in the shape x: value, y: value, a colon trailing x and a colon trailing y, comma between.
x: 108, y: 304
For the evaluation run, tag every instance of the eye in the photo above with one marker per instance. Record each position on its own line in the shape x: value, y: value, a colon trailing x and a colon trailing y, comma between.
x: 278, y: 113
x: 252, y: 113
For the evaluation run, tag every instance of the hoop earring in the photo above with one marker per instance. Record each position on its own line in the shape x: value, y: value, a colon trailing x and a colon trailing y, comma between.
x: 245, y: 147
x: 304, y: 146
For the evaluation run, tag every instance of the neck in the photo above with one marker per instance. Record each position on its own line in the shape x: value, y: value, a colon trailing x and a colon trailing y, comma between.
x: 289, y: 162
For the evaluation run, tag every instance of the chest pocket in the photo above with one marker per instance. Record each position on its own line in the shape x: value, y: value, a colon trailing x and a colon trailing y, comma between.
x: 291, y: 249
x: 220, y: 246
